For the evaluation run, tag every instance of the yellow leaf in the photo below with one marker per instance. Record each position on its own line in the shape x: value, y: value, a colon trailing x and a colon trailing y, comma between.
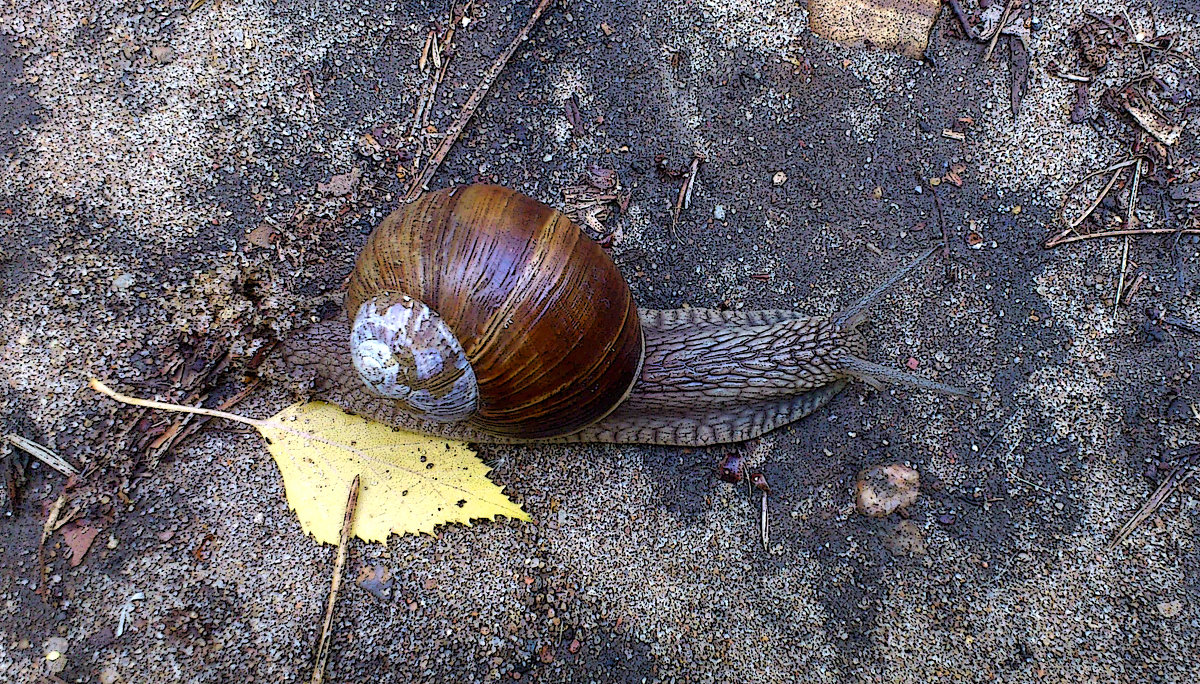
x: 410, y: 482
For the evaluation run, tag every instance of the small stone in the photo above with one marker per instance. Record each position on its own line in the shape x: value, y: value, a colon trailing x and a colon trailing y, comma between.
x: 885, y: 489
x: 162, y: 54
x: 1170, y: 609
x: 108, y: 675
x: 1179, y: 410
x: 719, y: 212
x: 779, y: 178
x: 123, y: 281
x: 56, y: 661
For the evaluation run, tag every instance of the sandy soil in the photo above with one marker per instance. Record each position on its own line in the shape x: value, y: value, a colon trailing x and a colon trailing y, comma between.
x: 132, y: 178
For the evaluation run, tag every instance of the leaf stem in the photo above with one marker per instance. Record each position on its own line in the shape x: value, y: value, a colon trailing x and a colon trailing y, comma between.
x: 179, y: 408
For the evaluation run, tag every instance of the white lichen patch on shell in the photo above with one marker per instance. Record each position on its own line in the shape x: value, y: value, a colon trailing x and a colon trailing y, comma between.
x: 408, y: 353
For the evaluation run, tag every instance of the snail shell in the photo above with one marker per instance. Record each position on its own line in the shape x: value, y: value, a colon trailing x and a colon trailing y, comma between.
x: 482, y: 306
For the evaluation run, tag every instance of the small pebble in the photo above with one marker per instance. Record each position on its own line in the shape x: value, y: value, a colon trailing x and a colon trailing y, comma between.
x: 162, y: 54
x: 719, y: 212
x: 1170, y: 609
x: 885, y: 489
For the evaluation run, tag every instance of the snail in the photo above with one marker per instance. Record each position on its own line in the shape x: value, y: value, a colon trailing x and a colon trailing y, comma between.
x: 481, y: 314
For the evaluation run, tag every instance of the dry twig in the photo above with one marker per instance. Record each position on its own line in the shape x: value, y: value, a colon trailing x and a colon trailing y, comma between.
x: 765, y: 524
x: 1133, y: 196
x: 468, y: 109
x: 1062, y: 239
x: 1180, y: 474
x: 339, y: 564
x: 48, y: 527
x: 44, y: 455
x: 684, y: 200
x: 1008, y: 8
x: 937, y: 204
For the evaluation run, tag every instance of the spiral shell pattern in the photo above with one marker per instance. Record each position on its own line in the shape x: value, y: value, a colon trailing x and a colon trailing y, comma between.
x: 541, y: 315
x: 404, y: 351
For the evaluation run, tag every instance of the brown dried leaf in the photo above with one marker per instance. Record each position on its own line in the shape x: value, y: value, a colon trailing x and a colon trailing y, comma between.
x: 884, y: 489
x: 1019, y: 66
x: 574, y: 117
x: 79, y: 536
x: 1156, y: 125
x: 341, y: 184
x: 1079, y: 111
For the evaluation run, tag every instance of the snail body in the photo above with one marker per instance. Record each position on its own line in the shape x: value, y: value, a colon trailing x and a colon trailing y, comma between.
x: 481, y: 314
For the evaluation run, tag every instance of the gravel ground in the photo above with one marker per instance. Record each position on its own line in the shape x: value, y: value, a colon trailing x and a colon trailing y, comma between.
x: 144, y: 149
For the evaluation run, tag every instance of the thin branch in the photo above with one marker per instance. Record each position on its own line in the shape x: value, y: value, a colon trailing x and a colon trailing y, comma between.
x: 1119, y: 233
x: 44, y: 455
x: 937, y: 204
x: 1121, y: 280
x: 149, y: 403
x: 1008, y: 8
x: 1096, y: 202
x: 468, y: 109
x: 339, y: 564
x: 1133, y: 197
x: 1179, y: 475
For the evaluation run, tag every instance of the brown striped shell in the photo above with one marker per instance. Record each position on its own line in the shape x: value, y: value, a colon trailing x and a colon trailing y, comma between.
x: 480, y: 304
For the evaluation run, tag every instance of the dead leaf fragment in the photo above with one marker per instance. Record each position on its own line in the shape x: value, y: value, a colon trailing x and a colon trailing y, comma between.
x: 264, y: 235
x: 897, y: 25
x: 79, y: 536
x: 1079, y: 111
x: 574, y: 117
x: 341, y: 184
x: 377, y: 580
x: 1170, y: 609
x: 162, y: 54
x: 955, y: 174
x: 1164, y: 131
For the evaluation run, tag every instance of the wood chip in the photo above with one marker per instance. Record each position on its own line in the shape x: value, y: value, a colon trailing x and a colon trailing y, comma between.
x: 43, y: 454
x: 1164, y: 131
